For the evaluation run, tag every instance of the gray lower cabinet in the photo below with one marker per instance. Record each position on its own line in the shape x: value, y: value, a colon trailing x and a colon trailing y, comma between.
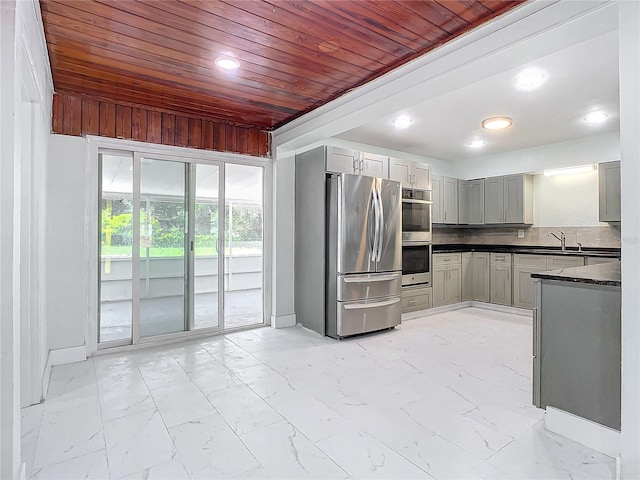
x: 600, y: 260
x: 609, y: 191
x: 500, y: 278
x: 524, y: 291
x: 447, y: 279
x: 416, y: 298
x: 467, y: 276
x: 480, y: 261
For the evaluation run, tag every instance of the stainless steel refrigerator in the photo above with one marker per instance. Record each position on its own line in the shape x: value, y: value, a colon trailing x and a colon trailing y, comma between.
x: 364, y: 254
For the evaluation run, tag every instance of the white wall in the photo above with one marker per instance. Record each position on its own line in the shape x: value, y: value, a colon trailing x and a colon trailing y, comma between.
x: 594, y: 149
x: 566, y: 200
x: 25, y: 120
x: 66, y: 264
x: 629, y: 25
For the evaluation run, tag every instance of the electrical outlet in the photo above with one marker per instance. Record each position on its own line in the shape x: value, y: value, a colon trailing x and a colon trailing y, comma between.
x: 520, y: 233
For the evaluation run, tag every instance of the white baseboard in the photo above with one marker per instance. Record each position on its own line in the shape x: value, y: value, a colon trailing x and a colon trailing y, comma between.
x: 22, y: 473
x: 503, y: 308
x: 282, y: 321
x: 588, y: 433
x: 61, y: 356
x: 458, y: 306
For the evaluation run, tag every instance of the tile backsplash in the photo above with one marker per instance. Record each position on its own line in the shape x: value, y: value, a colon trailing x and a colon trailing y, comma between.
x: 596, y: 236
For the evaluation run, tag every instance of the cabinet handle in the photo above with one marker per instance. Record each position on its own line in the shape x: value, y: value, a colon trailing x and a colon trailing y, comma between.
x: 412, y: 302
x: 361, y: 164
x: 355, y: 165
x: 445, y: 216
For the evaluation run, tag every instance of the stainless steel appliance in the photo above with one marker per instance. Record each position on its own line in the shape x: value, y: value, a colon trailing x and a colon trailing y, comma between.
x: 364, y: 255
x: 416, y: 215
x: 416, y: 264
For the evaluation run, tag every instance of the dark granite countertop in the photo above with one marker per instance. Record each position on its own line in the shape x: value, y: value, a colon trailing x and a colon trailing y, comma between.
x: 603, y: 274
x: 525, y: 249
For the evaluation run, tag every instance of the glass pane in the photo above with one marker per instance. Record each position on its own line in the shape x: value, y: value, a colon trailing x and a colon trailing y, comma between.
x: 243, y: 246
x: 162, y: 247
x: 116, y: 247
x: 205, y: 247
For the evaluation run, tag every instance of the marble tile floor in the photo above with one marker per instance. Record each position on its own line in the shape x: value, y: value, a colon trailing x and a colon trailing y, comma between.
x: 446, y: 396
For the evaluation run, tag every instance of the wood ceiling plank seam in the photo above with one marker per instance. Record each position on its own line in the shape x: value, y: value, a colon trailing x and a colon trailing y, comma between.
x: 139, y: 118
x: 177, y: 22
x: 194, y: 136
x: 416, y: 26
x: 377, y: 20
x: 102, y: 41
x: 498, y: 5
x: 436, y: 14
x: 90, y: 117
x: 179, y: 104
x: 168, y: 129
x: 310, y: 11
x: 151, y: 70
x: 308, y: 38
x: 470, y: 11
x: 133, y: 85
x: 123, y: 29
x: 175, y: 109
x: 154, y: 127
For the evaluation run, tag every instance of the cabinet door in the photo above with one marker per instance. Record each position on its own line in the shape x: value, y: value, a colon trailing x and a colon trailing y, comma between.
x: 463, y: 202
x: 476, y: 202
x: 609, y: 191
x: 450, y: 186
x: 437, y: 192
x: 514, y: 199
x: 500, y: 280
x: 524, y: 286
x: 453, y: 286
x: 558, y: 261
x: 601, y: 260
x: 422, y: 175
x: 373, y: 165
x: 400, y: 171
x: 481, y: 276
x: 341, y: 160
x: 494, y: 200
x: 467, y: 276
x: 439, y: 281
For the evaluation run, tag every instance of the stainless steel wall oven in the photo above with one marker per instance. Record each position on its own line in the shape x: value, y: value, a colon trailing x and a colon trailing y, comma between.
x: 416, y: 215
x: 416, y: 264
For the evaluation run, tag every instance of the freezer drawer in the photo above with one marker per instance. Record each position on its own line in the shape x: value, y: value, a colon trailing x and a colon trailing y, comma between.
x: 367, y: 286
x: 368, y: 316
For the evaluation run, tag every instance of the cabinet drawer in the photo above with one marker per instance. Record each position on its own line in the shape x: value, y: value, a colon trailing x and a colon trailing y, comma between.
x: 601, y: 260
x: 531, y: 260
x: 500, y: 258
x: 416, y: 299
x: 447, y: 258
x: 557, y: 261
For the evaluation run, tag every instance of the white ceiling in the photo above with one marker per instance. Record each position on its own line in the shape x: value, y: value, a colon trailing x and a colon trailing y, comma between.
x: 581, y: 78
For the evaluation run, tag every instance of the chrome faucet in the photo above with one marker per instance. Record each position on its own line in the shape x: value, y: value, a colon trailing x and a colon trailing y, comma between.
x: 579, y: 246
x: 562, y: 238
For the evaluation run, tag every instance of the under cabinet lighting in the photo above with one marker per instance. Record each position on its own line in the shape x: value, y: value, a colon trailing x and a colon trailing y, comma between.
x: 565, y: 171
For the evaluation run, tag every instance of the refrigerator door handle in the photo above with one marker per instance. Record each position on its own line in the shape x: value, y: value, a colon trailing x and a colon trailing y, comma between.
x: 374, y: 223
x: 367, y: 279
x: 381, y: 224
x: 358, y: 306
x: 378, y: 232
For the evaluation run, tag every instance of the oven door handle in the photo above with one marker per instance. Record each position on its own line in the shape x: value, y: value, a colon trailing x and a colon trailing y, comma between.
x: 423, y: 202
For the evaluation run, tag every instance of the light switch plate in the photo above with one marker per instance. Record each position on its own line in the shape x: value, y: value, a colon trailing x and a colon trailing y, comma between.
x: 520, y: 233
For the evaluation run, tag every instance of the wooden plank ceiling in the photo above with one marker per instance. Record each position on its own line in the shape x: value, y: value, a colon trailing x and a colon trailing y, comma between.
x: 294, y: 55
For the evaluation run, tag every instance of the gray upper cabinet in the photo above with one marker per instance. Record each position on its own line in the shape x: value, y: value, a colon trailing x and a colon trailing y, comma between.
x: 463, y: 202
x: 493, y: 200
x: 476, y: 202
x: 509, y: 199
x: 342, y: 160
x: 450, y: 200
x: 437, y: 195
x: 410, y: 173
x: 609, y: 191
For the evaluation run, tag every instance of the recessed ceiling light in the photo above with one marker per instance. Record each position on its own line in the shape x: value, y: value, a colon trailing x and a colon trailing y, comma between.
x: 402, y: 122
x: 227, y: 63
x: 596, y: 117
x: 496, y: 123
x: 564, y: 171
x: 477, y: 144
x: 530, y: 79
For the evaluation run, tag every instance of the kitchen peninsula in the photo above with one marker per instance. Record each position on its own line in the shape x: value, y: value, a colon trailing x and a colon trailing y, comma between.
x: 577, y: 342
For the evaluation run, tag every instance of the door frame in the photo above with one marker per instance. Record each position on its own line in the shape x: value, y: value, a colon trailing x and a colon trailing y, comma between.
x: 95, y: 145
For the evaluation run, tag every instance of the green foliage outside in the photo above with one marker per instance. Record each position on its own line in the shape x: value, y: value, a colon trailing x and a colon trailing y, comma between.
x: 163, y: 235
